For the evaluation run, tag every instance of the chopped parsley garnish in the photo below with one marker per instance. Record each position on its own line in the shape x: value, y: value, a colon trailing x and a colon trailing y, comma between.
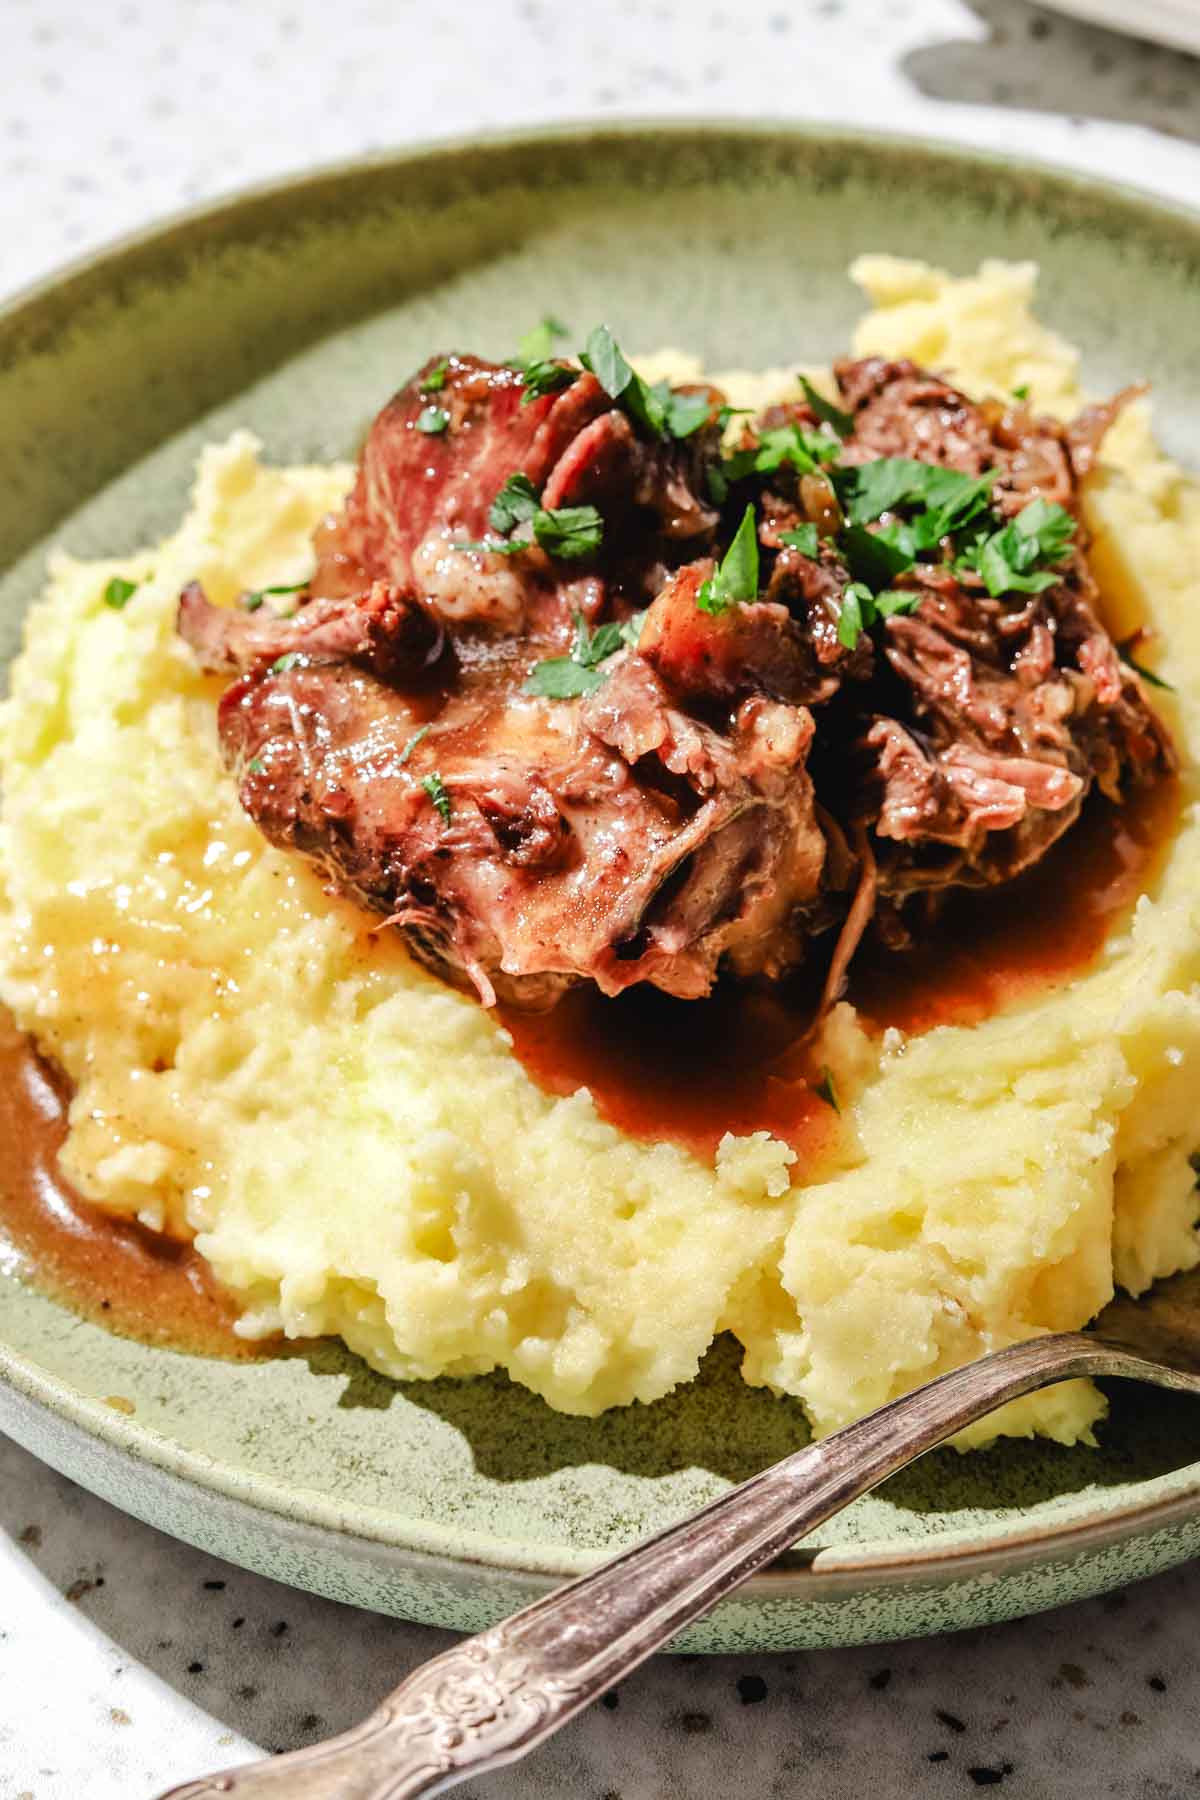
x: 948, y: 500
x: 435, y: 381
x: 565, y: 531
x: 807, y: 451
x: 545, y: 378
x: 1013, y: 559
x: 537, y: 345
x: 1124, y: 652
x: 433, y: 420
x: 826, y: 1089
x: 804, y: 539
x: 566, y: 677
x: 120, y: 592
x: 568, y: 531
x: 685, y: 413
x: 861, y: 609
x: 657, y: 408
x: 897, y: 600
x: 540, y: 371
x: 411, y: 745
x: 516, y: 502
x: 855, y: 614
x: 826, y: 411
x: 877, y: 557
x: 282, y: 664
x: 252, y: 600
x: 1022, y: 392
x: 631, y: 630
x: 736, y: 578
x: 256, y: 766
x: 435, y: 787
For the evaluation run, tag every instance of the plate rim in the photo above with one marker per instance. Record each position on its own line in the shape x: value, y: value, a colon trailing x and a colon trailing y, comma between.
x: 835, y: 1571
x: 445, y: 149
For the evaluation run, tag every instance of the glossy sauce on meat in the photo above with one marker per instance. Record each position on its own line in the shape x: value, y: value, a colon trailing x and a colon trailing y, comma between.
x: 114, y: 1272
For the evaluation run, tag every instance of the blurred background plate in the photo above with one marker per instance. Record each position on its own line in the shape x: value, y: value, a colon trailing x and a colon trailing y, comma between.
x: 296, y: 310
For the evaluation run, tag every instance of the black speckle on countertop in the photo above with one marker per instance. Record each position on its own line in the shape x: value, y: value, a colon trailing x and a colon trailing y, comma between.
x: 950, y: 1720
x: 751, y: 1689
x: 879, y: 1680
x: 985, y: 1777
x: 611, y: 1700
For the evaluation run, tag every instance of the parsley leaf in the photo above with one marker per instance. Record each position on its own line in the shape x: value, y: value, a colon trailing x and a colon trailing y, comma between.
x: 435, y: 381
x: 737, y: 577
x: 897, y: 600
x: 256, y: 766
x: 1050, y: 524
x: 603, y: 357
x: 411, y: 745
x: 631, y: 630
x: 282, y: 664
x: 842, y: 422
x: 874, y: 488
x: 568, y: 531
x: 1156, y: 681
x: 252, y: 600
x: 685, y: 413
x: 804, y: 539
x: 874, y: 557
x: 1022, y: 392
x: 717, y: 483
x: 566, y: 677
x: 826, y: 1089
x: 516, y: 502
x: 435, y: 787
x: 658, y: 408
x: 433, y: 420
x: 806, y: 451
x: 120, y: 592
x: 561, y: 678
x: 1008, y: 560
x: 545, y: 377
x: 538, y: 345
x: 856, y: 614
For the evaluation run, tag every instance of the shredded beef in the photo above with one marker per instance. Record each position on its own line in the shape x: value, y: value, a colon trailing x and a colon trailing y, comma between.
x: 730, y: 782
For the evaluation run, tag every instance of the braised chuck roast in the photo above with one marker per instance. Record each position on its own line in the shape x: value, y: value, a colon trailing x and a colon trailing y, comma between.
x: 738, y: 771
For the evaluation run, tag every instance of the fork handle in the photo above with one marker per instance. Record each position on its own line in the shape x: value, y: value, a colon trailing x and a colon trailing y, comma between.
x: 491, y: 1698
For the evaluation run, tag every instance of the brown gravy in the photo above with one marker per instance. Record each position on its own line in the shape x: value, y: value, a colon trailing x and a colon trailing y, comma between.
x: 660, y: 1069
x: 113, y: 1271
x: 692, y: 1070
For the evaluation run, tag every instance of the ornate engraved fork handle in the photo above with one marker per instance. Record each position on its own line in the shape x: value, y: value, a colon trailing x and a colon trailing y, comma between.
x: 493, y: 1697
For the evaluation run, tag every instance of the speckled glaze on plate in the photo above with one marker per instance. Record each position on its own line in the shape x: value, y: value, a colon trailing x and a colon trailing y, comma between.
x: 295, y: 310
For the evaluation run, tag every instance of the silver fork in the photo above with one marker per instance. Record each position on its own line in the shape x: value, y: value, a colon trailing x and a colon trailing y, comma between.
x: 490, y: 1699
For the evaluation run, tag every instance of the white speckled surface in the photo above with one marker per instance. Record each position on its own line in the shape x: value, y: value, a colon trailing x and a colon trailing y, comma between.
x: 128, y: 1661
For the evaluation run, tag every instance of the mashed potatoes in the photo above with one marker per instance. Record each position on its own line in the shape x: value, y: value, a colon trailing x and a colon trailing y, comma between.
x: 357, y: 1149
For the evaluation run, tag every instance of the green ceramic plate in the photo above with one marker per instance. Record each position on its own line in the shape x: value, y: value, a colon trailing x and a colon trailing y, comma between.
x: 295, y: 310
